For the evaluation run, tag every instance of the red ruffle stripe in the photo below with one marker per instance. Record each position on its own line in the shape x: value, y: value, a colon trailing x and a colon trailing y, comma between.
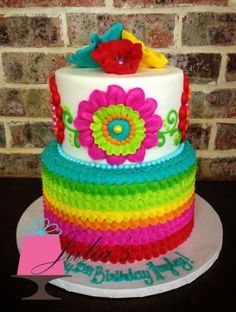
x: 125, y: 253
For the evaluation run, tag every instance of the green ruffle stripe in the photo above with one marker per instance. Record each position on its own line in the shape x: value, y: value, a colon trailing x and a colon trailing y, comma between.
x: 136, y: 201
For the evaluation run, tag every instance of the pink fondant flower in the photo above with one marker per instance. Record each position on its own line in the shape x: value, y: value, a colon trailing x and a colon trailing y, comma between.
x: 117, y: 126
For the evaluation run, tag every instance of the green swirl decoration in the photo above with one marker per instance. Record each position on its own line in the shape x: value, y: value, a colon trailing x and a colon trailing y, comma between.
x: 68, y: 119
x: 170, y: 127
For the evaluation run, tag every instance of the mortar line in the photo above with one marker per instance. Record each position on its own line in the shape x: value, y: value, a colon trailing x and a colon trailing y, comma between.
x: 23, y: 119
x: 23, y: 86
x: 216, y: 153
x: 178, y: 30
x: 211, y: 145
x: 194, y: 87
x: 109, y: 5
x: 211, y: 121
x: 36, y: 50
x: 21, y: 150
x: 210, y: 49
x: 1, y: 70
x: 64, y: 30
x: 213, y: 87
x: 115, y: 10
x: 222, y: 72
x: 8, y: 136
x: 200, y: 153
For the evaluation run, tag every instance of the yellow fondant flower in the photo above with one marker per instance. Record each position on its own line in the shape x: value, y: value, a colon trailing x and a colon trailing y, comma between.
x: 151, y: 59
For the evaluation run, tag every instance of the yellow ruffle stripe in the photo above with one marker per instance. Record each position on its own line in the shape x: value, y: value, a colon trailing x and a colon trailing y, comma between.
x: 110, y: 216
x: 124, y: 225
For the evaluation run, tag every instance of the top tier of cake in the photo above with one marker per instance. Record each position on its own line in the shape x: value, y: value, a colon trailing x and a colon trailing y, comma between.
x: 121, y: 119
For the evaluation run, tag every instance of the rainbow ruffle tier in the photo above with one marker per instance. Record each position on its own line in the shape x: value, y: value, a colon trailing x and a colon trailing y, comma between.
x: 120, y: 213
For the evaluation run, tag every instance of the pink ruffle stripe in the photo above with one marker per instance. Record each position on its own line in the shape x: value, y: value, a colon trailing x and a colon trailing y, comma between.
x: 138, y: 236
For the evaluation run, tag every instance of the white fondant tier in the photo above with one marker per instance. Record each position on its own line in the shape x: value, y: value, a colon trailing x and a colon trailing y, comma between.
x: 164, y: 85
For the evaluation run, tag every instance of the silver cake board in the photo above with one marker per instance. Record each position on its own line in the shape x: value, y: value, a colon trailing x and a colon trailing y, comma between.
x: 139, y: 279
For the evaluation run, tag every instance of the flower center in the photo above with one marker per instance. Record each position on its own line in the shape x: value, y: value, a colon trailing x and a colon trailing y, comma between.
x: 120, y: 60
x: 117, y: 129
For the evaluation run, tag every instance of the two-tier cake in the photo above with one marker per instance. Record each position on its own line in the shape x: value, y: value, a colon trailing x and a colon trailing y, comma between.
x: 119, y: 180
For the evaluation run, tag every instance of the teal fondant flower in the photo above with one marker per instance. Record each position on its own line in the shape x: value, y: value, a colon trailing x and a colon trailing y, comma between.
x: 83, y: 57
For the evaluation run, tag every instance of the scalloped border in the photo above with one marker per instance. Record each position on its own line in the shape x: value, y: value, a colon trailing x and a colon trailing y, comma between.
x: 131, y: 166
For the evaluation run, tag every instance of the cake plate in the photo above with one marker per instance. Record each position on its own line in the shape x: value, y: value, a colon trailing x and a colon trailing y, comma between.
x: 172, y: 270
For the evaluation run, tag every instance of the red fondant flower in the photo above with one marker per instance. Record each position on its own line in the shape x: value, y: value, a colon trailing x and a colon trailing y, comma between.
x: 118, y: 56
x: 55, y: 100
x: 184, y: 109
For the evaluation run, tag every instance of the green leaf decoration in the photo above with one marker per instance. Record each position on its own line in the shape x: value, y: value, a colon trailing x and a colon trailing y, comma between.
x: 68, y: 120
x: 161, y: 139
x: 177, y: 137
x: 170, y: 128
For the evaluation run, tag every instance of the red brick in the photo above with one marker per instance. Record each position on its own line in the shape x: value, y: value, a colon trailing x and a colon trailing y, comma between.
x: 159, y: 32
x: 226, y: 136
x: 19, y: 165
x: 220, y: 103
x: 131, y: 22
x: 217, y: 168
x: 24, y: 102
x: 157, y: 3
x: 209, y: 29
x: 23, y: 31
x: 2, y: 135
x: 199, y: 136
x: 231, y: 67
x: 31, y: 67
x: 30, y: 135
x: 80, y: 27
x: 156, y: 30
x: 200, y: 67
x: 51, y: 3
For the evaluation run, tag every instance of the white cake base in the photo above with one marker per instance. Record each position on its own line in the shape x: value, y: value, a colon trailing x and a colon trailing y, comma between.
x: 172, y: 270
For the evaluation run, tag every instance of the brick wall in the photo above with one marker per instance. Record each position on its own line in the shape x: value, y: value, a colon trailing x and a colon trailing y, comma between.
x: 197, y: 35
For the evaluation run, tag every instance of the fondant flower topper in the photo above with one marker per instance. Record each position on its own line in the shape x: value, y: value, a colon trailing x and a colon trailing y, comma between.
x: 117, y: 51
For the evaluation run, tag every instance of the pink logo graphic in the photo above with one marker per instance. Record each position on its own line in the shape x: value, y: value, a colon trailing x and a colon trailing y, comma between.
x: 39, y: 250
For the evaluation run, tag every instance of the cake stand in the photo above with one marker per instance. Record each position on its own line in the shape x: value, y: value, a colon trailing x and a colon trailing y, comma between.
x: 172, y: 270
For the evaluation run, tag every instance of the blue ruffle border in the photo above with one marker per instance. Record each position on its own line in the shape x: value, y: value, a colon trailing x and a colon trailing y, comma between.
x: 73, y: 169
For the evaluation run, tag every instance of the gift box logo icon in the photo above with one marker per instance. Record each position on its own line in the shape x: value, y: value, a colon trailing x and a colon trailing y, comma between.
x: 39, y: 249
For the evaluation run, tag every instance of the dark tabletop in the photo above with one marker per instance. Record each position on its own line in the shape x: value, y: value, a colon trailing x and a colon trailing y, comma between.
x: 213, y: 290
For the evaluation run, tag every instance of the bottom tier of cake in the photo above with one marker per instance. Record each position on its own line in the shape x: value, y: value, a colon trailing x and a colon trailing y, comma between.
x: 120, y: 213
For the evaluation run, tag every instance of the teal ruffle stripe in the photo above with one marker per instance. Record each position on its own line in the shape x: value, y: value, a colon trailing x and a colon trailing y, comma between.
x: 54, y: 162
